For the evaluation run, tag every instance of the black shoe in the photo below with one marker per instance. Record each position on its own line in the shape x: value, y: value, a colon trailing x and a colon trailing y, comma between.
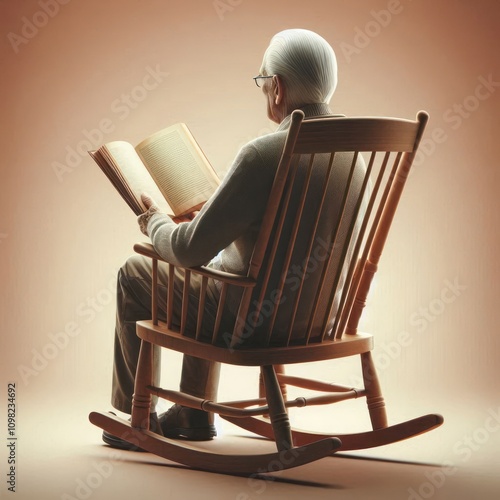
x: 188, y: 423
x: 121, y: 444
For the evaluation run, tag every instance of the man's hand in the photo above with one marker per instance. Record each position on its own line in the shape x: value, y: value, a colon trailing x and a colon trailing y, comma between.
x: 152, y: 208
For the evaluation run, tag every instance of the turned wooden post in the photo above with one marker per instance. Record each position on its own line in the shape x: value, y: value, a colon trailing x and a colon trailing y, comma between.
x: 374, y: 398
x: 277, y: 411
x: 141, y: 400
x: 279, y: 369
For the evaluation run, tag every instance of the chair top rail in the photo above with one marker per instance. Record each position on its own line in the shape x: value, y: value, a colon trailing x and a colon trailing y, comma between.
x: 356, y: 134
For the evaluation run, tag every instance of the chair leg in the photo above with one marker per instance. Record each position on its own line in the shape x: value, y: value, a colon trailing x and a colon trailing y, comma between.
x: 141, y: 400
x: 374, y: 398
x: 277, y: 411
x: 279, y: 369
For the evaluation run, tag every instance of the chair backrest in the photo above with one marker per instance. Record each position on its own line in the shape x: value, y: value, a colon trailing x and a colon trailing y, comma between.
x: 332, y: 202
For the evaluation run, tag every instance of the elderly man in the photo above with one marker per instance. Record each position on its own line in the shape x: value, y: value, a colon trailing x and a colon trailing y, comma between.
x: 298, y: 71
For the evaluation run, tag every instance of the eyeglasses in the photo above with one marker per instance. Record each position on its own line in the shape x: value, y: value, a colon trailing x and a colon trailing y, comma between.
x: 257, y: 78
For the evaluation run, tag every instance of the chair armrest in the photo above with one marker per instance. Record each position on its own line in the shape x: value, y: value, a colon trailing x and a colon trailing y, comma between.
x: 148, y: 250
x: 230, y: 278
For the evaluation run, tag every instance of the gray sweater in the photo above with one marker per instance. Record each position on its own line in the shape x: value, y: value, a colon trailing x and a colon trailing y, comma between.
x: 229, y: 222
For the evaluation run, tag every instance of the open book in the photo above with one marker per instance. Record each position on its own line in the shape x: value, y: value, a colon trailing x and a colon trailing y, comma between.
x: 169, y: 166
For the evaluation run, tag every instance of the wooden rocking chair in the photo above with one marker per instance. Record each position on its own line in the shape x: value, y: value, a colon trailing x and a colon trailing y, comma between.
x: 288, y: 312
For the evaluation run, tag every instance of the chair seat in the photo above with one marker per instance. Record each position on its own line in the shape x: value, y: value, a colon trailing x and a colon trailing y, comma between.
x: 348, y: 345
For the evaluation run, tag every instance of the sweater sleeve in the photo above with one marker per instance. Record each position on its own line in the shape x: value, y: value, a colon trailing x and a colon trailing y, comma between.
x: 238, y: 203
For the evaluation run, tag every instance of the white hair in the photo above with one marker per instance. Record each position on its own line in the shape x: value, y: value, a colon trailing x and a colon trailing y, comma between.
x: 307, y: 64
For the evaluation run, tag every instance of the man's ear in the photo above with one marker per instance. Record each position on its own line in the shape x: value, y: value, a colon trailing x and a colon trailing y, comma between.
x: 278, y: 90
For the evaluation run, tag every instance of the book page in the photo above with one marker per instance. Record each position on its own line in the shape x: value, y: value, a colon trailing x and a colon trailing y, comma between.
x: 135, y: 176
x: 179, y: 167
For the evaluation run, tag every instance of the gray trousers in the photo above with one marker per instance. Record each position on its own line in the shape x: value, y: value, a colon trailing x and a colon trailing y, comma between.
x: 198, y: 378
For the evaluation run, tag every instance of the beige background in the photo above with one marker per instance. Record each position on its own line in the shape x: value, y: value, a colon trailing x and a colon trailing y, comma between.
x: 71, y: 69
